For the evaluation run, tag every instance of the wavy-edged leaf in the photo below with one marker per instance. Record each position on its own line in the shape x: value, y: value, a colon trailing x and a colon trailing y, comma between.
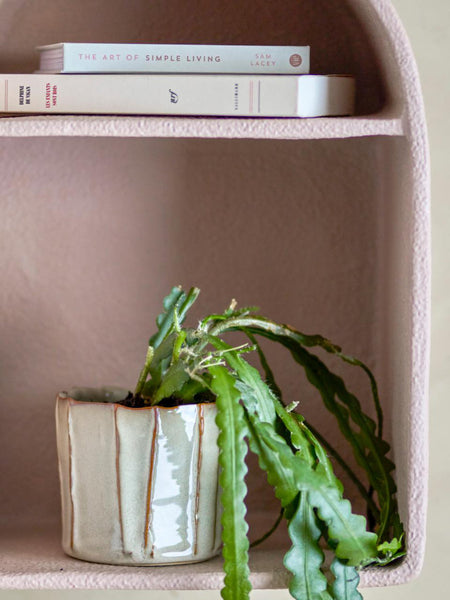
x: 256, y: 324
x: 392, y: 550
x: 268, y: 373
x: 391, y: 547
x: 305, y: 558
x: 369, y: 449
x: 305, y: 438
x: 346, y: 581
x: 346, y: 577
x: 290, y: 471
x: 233, y: 449
x: 298, y: 439
x: 258, y: 397
x: 353, y: 542
x: 275, y: 458
x: 372, y: 507
x: 229, y: 313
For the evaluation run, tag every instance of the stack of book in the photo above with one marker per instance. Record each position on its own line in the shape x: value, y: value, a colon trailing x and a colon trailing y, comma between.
x: 201, y: 80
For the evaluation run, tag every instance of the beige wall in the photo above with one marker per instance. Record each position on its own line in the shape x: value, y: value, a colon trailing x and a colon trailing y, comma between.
x: 427, y: 24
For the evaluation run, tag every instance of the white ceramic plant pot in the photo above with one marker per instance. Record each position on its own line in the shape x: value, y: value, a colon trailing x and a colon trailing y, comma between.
x: 139, y: 486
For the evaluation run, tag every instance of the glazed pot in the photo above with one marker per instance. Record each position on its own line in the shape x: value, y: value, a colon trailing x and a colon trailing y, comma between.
x: 139, y: 486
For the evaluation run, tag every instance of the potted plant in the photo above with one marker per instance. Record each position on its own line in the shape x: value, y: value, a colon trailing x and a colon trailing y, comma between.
x: 215, y: 396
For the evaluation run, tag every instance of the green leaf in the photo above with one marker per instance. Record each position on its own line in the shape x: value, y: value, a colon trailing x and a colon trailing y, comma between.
x: 173, y: 381
x: 358, y: 428
x: 275, y: 458
x: 190, y: 389
x: 305, y: 558
x: 162, y: 356
x: 370, y: 451
x: 186, y: 303
x: 345, y: 585
x: 178, y: 344
x: 164, y: 321
x: 391, y: 547
x: 305, y: 438
x: 296, y: 462
x: 144, y: 372
x: 268, y: 373
x: 392, y: 550
x: 227, y: 314
x: 287, y: 335
x: 233, y: 449
x: 257, y: 324
x: 165, y: 356
x: 176, y: 305
x: 347, y: 577
x: 353, y: 542
x: 297, y: 434
x: 258, y: 396
x: 372, y: 507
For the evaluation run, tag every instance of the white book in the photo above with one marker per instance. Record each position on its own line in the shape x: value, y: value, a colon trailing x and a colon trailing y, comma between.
x: 172, y: 58
x: 205, y: 95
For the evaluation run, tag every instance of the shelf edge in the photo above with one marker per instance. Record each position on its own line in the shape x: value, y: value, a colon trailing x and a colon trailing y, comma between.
x: 22, y: 569
x: 199, y: 127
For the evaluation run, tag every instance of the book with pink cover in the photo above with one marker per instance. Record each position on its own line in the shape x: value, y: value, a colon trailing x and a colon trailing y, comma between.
x: 206, y: 95
x: 172, y: 58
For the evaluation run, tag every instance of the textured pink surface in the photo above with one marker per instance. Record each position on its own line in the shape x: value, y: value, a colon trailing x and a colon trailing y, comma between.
x: 50, y: 568
x: 179, y: 127
x: 94, y: 232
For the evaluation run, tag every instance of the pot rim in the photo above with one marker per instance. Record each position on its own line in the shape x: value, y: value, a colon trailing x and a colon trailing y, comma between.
x: 66, y: 396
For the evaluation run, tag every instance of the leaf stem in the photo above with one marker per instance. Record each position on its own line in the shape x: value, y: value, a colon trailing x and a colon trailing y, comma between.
x: 145, y: 371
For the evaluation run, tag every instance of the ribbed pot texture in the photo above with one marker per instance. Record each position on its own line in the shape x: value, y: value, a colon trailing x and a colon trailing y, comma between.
x: 139, y: 486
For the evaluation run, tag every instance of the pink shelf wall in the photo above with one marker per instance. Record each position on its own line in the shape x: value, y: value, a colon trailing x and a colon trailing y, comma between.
x: 324, y: 223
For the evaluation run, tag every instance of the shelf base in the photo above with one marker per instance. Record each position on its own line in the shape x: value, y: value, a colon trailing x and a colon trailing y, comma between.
x: 198, y: 127
x: 32, y: 558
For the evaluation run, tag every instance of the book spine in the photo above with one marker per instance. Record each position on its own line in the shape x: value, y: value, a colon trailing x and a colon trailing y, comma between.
x: 109, y: 58
x: 206, y: 95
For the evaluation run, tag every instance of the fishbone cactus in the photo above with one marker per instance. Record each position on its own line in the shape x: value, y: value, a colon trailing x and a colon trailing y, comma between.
x: 189, y: 365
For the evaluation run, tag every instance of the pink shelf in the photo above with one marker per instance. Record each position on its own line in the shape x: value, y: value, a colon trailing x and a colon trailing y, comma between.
x: 324, y: 223
x: 182, y: 127
x: 32, y: 559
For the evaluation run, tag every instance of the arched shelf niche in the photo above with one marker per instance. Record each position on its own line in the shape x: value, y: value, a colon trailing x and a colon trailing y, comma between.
x: 101, y: 215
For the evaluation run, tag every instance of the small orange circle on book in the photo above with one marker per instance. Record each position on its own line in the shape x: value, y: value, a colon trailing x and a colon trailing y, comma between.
x: 295, y: 60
